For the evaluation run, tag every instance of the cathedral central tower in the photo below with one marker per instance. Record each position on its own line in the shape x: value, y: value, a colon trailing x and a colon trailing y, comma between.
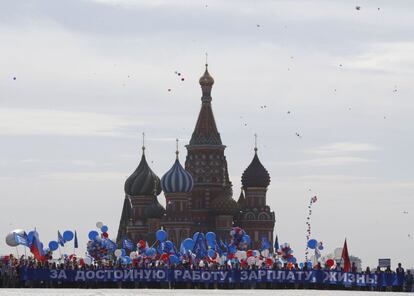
x: 206, y: 161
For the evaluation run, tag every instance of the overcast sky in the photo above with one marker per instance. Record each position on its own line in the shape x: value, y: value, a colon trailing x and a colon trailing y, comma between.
x: 91, y: 76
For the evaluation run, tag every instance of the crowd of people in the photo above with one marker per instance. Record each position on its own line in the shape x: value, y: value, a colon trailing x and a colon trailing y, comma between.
x: 11, y: 266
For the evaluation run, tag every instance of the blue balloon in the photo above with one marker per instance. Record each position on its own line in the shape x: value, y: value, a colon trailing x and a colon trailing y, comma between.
x: 161, y: 235
x: 232, y: 249
x: 92, y: 235
x: 150, y: 252
x: 246, y: 239
x: 123, y: 252
x: 301, y: 265
x: 292, y: 260
x: 168, y: 246
x: 68, y: 235
x: 188, y: 244
x: 104, y: 228
x: 320, y: 247
x: 309, y: 264
x: 312, y: 244
x: 198, y: 236
x: 211, y: 237
x: 174, y: 259
x: 53, y: 246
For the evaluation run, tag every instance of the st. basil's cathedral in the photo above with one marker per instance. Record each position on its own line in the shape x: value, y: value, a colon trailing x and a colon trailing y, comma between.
x: 198, y: 197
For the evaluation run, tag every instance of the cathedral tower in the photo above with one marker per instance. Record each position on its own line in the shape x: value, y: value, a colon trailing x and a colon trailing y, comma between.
x: 206, y: 161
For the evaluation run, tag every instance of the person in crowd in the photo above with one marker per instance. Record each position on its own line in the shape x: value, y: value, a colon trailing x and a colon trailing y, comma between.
x: 400, y: 277
x: 408, y: 281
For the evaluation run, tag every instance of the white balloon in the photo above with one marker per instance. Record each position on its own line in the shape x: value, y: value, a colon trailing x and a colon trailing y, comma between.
x: 265, y: 253
x: 251, y: 260
x: 10, y: 239
x: 87, y: 260
x: 133, y: 255
x: 118, y: 253
x: 99, y: 225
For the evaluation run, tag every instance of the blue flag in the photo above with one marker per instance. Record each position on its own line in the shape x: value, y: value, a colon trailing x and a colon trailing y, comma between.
x: 75, y: 241
x: 200, y: 248
x: 61, y: 240
x: 127, y: 244
x: 21, y: 240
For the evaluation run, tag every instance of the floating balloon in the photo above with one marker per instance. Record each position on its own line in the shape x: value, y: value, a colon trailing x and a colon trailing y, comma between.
x: 161, y: 235
x: 330, y: 263
x: 150, y: 252
x: 87, y: 260
x: 68, y: 235
x: 93, y: 235
x: 174, y: 259
x: 99, y: 225
x: 210, y: 237
x: 118, y: 253
x: 211, y: 253
x: 312, y: 244
x: 10, y: 238
x: 104, y: 228
x: 53, y: 245
x: 188, y: 244
x: 105, y: 234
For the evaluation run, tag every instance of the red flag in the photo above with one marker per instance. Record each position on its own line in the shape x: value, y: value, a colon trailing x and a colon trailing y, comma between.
x: 345, y: 258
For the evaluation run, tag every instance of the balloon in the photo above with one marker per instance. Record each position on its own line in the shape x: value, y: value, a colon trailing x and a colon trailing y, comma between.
x: 249, y: 253
x: 301, y: 265
x: 188, y: 244
x: 174, y: 259
x: 141, y: 244
x: 320, y: 247
x: 161, y: 235
x: 246, y: 239
x: 330, y: 263
x: 68, y: 235
x: 168, y: 246
x: 10, y: 238
x: 164, y: 257
x: 104, y: 228
x: 93, y: 234
x: 99, y: 225
x: 211, y: 237
x: 265, y: 253
x: 87, y: 260
x: 118, y: 253
x: 240, y: 255
x: 312, y: 244
x: 123, y: 252
x: 53, y: 246
x: 133, y: 255
x: 105, y: 234
x: 309, y: 264
x: 251, y: 260
x: 150, y: 252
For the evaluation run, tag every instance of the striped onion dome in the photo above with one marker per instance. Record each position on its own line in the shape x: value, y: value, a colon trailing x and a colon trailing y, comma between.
x: 177, y: 180
x: 143, y: 180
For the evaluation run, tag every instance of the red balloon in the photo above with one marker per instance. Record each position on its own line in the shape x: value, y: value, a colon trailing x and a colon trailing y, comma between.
x: 330, y: 262
x: 105, y: 234
x: 164, y: 257
x: 249, y: 253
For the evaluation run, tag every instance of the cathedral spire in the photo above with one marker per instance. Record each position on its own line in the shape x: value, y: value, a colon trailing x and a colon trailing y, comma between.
x: 205, y: 132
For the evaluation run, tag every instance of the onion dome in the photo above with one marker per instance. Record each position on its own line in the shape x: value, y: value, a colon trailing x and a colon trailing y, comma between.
x: 154, y: 210
x: 177, y: 179
x: 224, y: 204
x: 143, y: 180
x: 206, y: 79
x: 255, y: 175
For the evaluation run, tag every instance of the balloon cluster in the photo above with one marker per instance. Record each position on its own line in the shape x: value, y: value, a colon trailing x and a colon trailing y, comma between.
x: 308, y: 224
x: 286, y: 253
x: 99, y: 246
x: 239, y: 237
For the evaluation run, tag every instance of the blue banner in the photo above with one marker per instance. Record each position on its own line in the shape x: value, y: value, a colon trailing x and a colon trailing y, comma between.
x: 216, y: 276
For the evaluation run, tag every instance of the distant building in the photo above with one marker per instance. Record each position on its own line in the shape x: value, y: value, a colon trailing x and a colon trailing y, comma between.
x: 199, y: 197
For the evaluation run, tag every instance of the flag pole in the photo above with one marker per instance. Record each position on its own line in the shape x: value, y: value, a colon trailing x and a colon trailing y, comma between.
x: 17, y: 251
